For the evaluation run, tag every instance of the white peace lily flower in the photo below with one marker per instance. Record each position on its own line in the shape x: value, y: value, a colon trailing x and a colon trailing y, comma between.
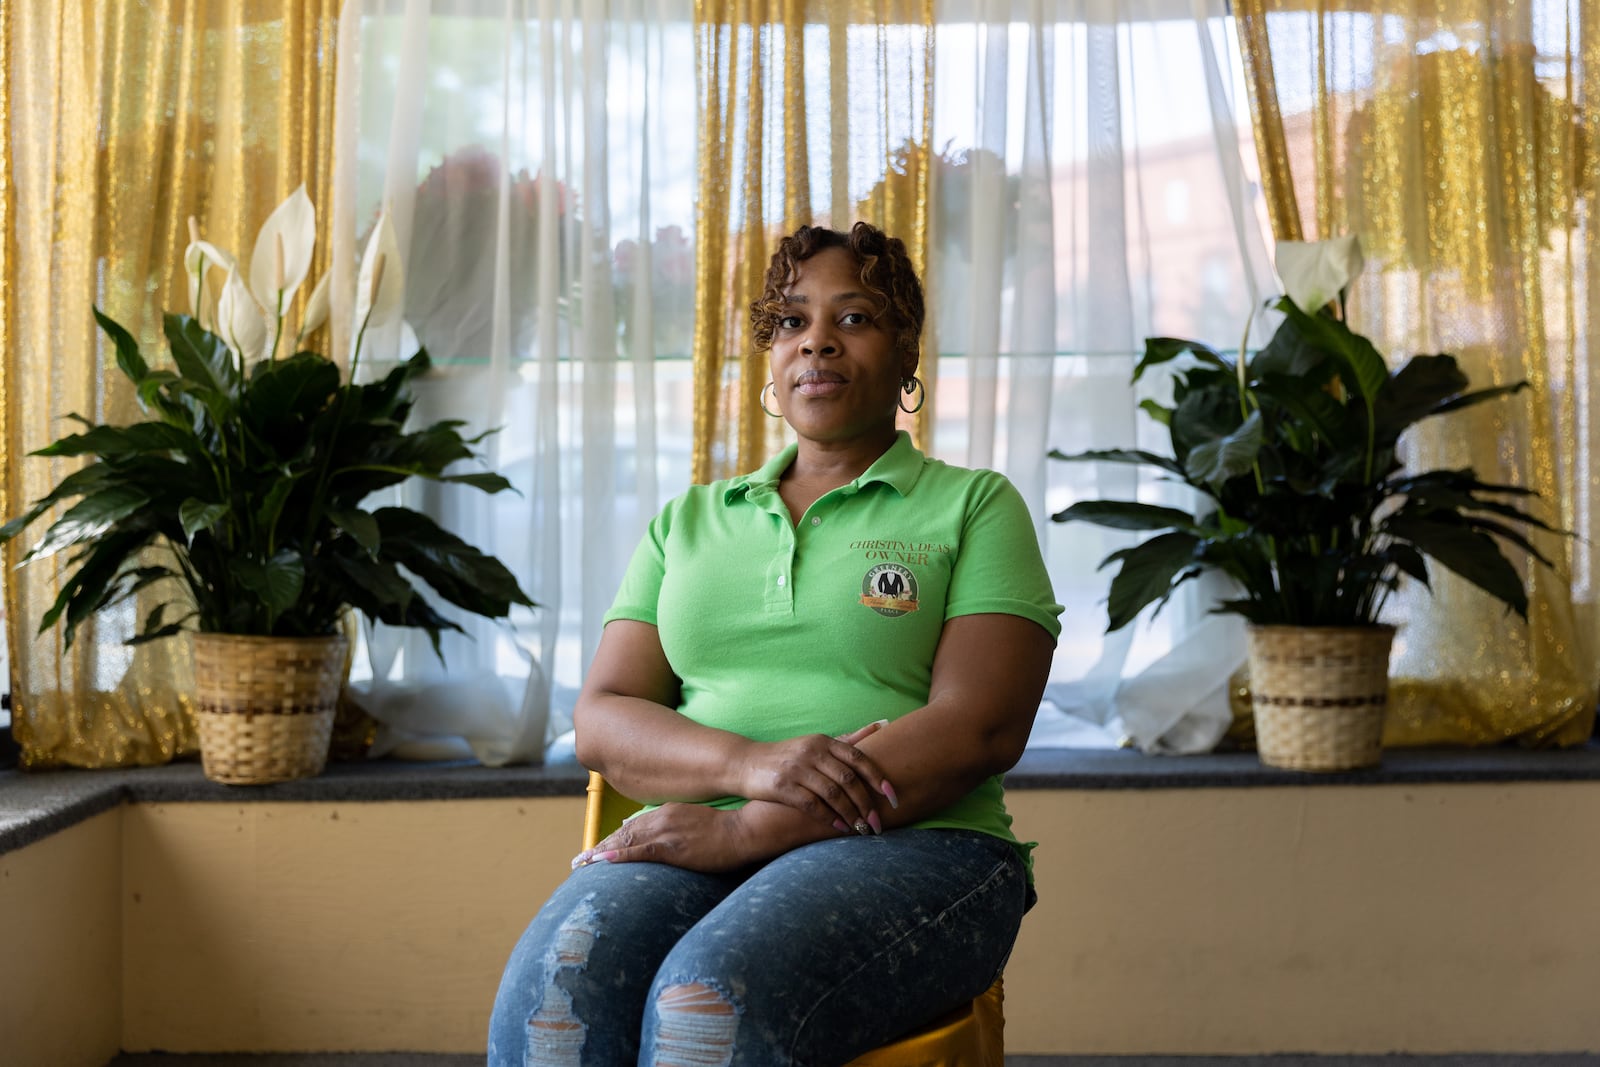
x: 242, y: 324
x: 282, y: 256
x: 199, y: 258
x: 316, y: 308
x: 376, y: 310
x: 1314, y: 272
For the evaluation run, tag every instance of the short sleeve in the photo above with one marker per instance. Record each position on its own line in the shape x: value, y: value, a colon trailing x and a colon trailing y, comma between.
x: 1000, y: 569
x: 640, y: 592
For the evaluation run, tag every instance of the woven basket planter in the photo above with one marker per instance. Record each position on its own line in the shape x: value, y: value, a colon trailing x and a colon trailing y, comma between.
x: 1319, y: 694
x: 265, y: 705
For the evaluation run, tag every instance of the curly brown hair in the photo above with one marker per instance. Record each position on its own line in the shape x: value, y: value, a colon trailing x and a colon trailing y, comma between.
x: 886, y: 274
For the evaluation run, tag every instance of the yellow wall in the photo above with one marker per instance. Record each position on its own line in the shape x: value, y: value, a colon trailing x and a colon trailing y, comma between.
x: 1323, y: 919
x: 261, y: 927
x: 61, y: 947
x: 1436, y: 918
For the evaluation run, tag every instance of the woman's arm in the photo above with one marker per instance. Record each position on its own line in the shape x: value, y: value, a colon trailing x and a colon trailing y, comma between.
x: 628, y: 728
x: 989, y: 673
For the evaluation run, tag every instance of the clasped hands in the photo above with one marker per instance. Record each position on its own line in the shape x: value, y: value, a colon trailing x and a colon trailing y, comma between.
x: 827, y: 779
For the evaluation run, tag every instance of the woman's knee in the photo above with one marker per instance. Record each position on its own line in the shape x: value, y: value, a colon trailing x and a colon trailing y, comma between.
x: 693, y: 1022
x: 536, y: 1018
x: 577, y: 979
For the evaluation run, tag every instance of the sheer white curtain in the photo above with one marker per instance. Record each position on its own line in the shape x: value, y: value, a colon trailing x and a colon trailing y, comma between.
x: 1092, y: 192
x: 538, y: 158
x: 537, y: 161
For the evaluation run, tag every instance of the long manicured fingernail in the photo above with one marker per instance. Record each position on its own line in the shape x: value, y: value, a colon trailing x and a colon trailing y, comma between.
x: 607, y: 856
x: 874, y: 822
x: 582, y: 859
x: 888, y: 791
x: 879, y: 722
x: 841, y: 826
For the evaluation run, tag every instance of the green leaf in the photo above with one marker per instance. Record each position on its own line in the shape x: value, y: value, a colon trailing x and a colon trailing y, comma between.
x: 133, y: 580
x: 112, y: 441
x: 1478, y: 396
x: 1159, y: 412
x: 487, y: 481
x: 1458, y: 491
x: 1289, y: 354
x: 1472, y: 554
x: 1509, y: 534
x: 359, y: 525
x: 1407, y: 559
x: 128, y: 356
x: 23, y: 521
x: 172, y: 629
x: 1122, y: 455
x: 1158, y: 350
x: 277, y: 582
x: 201, y: 356
x: 290, y: 389
x: 1311, y: 404
x: 94, y: 583
x: 90, y: 519
x: 80, y: 482
x: 160, y: 391
x: 1149, y: 572
x: 387, y: 397
x: 1126, y: 515
x: 195, y: 515
x: 1204, y: 415
x: 1454, y: 488
x: 458, y: 572
x: 1368, y: 371
x: 380, y: 589
x: 155, y: 628
x: 1214, y: 462
x: 1415, y: 391
x: 204, y: 360
x: 277, y: 495
x: 426, y: 452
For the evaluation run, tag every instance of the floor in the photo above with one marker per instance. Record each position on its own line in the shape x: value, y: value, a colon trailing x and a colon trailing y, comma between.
x: 420, y: 1059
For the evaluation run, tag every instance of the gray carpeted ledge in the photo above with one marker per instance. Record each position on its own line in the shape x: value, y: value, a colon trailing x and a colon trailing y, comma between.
x: 1128, y: 769
x: 35, y: 805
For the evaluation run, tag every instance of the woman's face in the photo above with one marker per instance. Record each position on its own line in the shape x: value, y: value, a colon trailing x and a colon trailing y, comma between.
x: 836, y: 368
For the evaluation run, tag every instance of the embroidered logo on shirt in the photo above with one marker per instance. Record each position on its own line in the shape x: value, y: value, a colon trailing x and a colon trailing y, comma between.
x: 890, y: 590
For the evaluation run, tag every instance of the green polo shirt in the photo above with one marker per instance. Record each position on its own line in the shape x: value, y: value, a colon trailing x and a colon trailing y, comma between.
x: 778, y: 630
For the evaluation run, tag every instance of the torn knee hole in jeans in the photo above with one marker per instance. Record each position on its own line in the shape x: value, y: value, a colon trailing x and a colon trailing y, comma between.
x: 557, y: 1033
x: 696, y: 1026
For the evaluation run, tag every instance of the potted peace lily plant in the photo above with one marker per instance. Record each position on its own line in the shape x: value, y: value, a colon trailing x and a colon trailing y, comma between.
x: 1305, y: 504
x: 239, y: 507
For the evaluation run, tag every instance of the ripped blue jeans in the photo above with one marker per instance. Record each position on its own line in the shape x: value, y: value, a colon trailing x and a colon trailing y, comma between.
x: 820, y: 955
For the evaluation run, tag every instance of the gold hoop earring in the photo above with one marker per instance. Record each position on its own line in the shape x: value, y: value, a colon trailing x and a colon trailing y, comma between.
x: 911, y: 385
x: 763, y: 401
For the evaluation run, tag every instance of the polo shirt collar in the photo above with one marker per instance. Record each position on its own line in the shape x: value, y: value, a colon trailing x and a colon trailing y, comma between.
x: 898, y: 468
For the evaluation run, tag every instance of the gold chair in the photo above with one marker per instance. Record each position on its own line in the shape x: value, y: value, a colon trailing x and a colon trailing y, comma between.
x: 972, y: 1035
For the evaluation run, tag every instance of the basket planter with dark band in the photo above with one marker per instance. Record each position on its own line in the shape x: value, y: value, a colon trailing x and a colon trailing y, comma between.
x: 1319, y: 694
x: 265, y: 705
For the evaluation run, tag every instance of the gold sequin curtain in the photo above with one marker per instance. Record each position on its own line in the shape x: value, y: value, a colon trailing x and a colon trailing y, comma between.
x: 118, y: 121
x: 810, y: 113
x: 1455, y: 138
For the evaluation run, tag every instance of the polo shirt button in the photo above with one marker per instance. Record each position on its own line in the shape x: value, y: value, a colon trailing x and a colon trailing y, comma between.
x: 816, y: 520
x: 782, y: 580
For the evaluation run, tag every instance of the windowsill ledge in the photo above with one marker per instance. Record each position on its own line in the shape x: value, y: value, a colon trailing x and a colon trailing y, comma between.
x: 35, y: 805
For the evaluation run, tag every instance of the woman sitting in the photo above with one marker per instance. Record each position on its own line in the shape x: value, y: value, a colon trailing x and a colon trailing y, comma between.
x: 816, y: 674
